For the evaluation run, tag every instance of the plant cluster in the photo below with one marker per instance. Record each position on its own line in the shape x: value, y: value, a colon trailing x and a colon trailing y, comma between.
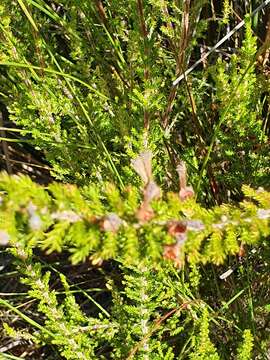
x: 135, y: 262
x: 106, y: 224
x: 150, y: 237
x: 84, y: 103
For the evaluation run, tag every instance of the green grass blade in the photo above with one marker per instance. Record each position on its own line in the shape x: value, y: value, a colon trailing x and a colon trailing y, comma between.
x: 28, y: 15
x: 25, y: 317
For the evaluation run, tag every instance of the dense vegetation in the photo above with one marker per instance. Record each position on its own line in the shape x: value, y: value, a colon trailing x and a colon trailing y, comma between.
x: 135, y: 206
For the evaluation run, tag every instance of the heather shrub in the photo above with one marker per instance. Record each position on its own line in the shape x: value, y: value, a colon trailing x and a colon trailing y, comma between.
x: 151, y: 241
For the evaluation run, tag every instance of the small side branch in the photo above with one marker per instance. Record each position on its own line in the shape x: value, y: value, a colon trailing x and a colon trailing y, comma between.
x: 144, y: 33
x: 179, y: 62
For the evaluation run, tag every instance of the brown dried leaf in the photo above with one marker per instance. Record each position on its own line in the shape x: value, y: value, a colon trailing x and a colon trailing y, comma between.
x: 111, y: 222
x: 182, y: 173
x: 242, y: 251
x: 195, y: 225
x: 172, y: 252
x: 145, y: 213
x: 186, y: 193
x: 142, y: 165
x: 176, y: 227
x: 151, y: 191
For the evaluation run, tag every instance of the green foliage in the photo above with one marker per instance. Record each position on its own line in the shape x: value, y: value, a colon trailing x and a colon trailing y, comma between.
x: 145, y: 296
x: 203, y: 348
x: 75, y: 335
x: 245, y: 351
x: 65, y: 325
x: 101, y: 223
x: 154, y: 307
x: 90, y: 84
x: 91, y: 112
x: 81, y: 101
x: 226, y: 11
x: 241, y: 127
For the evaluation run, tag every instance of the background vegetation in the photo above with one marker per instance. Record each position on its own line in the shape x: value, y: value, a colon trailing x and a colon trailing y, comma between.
x: 121, y: 256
